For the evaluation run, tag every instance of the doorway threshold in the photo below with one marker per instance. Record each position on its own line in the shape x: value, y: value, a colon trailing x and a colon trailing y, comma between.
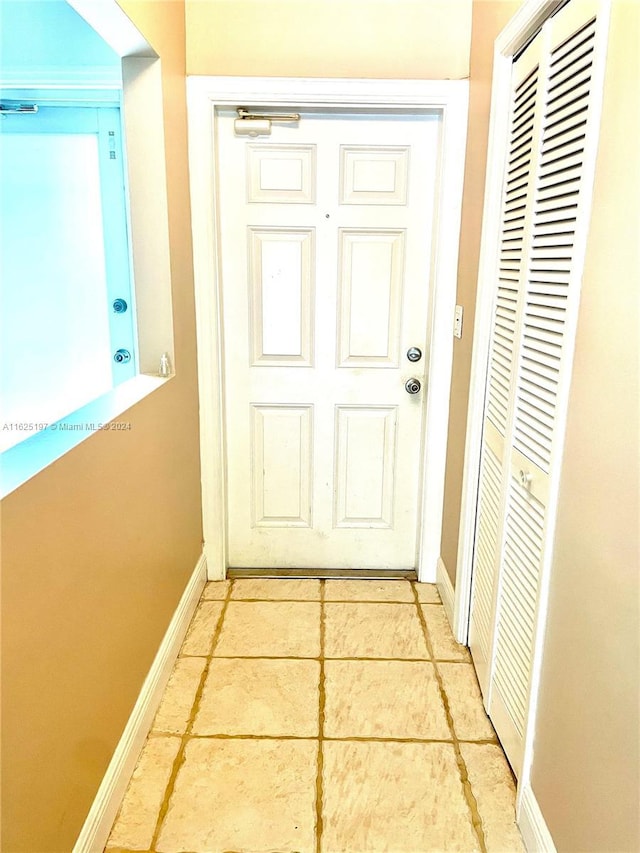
x: 326, y: 574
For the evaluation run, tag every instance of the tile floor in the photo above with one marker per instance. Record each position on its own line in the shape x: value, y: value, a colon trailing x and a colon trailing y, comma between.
x: 309, y: 716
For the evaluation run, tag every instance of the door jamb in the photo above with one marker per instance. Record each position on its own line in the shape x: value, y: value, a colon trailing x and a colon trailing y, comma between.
x: 204, y: 94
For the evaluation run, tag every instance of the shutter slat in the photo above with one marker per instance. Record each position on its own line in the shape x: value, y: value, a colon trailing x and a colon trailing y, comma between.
x: 551, y: 238
x: 547, y: 317
x: 567, y: 205
x: 548, y: 288
x: 549, y: 227
x: 547, y: 277
x: 551, y: 258
x: 555, y: 219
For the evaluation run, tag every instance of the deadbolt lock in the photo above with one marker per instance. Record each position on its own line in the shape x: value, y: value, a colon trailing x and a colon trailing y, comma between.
x: 414, y: 354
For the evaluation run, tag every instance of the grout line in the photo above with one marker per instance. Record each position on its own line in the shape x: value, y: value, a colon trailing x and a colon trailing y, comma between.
x: 326, y: 601
x: 397, y: 659
x: 275, y: 600
x: 492, y: 741
x: 332, y: 738
x: 225, y: 736
x: 322, y: 701
x: 456, y: 661
x: 325, y: 738
x: 472, y: 803
x: 186, y: 735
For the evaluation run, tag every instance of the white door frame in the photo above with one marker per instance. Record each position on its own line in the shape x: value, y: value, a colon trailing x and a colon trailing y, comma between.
x: 204, y: 94
x: 521, y: 28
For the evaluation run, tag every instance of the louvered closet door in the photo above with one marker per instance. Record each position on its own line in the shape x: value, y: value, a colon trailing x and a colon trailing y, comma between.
x: 517, y: 200
x: 529, y: 374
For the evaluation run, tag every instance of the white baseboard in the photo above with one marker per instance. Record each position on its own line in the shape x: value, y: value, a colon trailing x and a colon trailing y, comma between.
x: 535, y: 833
x: 445, y: 588
x: 95, y: 832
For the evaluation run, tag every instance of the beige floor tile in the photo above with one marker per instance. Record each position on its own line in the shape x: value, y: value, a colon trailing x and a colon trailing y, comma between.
x: 216, y: 590
x: 400, y: 797
x: 136, y: 821
x: 442, y: 640
x: 243, y: 795
x: 383, y: 699
x: 373, y: 631
x: 271, y: 629
x: 260, y: 697
x: 368, y: 590
x: 274, y: 589
x: 203, y: 625
x: 177, y: 701
x: 495, y: 793
x: 465, y: 701
x: 428, y: 593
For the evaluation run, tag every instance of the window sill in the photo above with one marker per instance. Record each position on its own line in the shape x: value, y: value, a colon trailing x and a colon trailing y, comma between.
x: 23, y: 461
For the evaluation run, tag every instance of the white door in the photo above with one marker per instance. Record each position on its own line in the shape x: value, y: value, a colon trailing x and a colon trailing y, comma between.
x: 326, y: 233
x: 515, y: 239
x: 542, y: 245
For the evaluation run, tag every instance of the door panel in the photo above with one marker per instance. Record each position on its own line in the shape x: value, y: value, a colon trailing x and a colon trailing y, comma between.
x: 370, y: 290
x: 282, y: 493
x: 364, y: 466
x: 514, y: 242
x: 326, y: 258
x: 281, y: 174
x: 373, y: 174
x: 281, y: 284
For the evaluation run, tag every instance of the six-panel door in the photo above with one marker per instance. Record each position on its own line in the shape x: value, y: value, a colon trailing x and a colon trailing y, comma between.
x: 326, y: 232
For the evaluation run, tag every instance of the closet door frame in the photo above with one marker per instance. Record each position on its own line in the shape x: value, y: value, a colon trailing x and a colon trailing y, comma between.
x: 522, y: 27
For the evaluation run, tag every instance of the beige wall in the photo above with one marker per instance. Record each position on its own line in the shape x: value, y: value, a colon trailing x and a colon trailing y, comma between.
x: 329, y: 38
x: 97, y: 550
x: 585, y: 772
x: 489, y: 18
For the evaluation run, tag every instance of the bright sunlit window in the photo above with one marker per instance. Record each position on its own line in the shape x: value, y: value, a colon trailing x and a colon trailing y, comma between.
x: 80, y: 225
x: 66, y: 310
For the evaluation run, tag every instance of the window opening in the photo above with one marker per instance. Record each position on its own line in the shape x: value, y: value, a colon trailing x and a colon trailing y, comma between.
x: 67, y: 324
